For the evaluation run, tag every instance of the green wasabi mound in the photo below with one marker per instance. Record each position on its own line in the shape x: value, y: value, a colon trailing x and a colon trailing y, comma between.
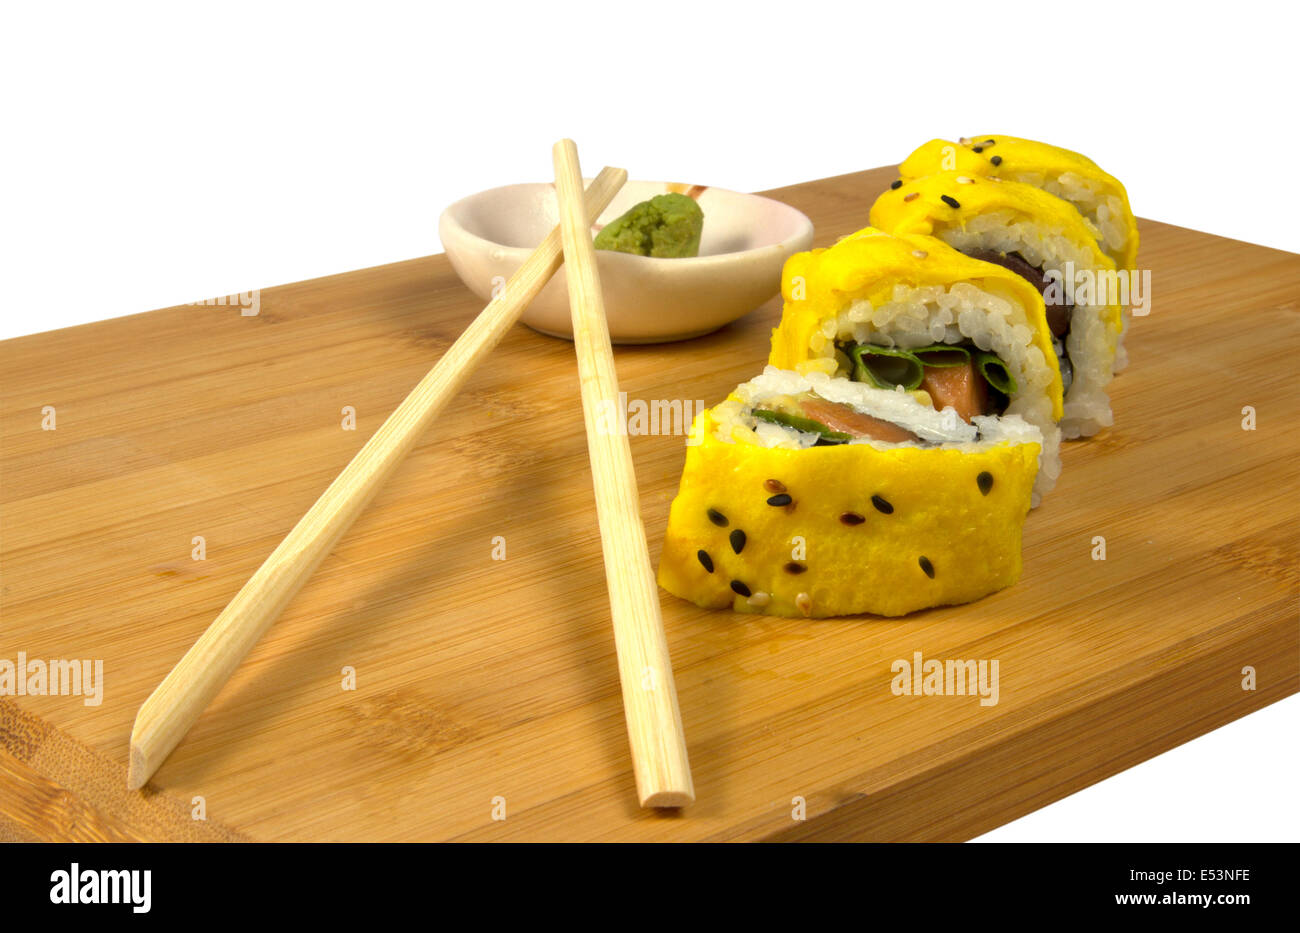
x: 668, y: 226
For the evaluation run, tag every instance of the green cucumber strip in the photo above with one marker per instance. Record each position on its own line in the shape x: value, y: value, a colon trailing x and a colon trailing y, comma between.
x: 800, y: 423
x: 886, y: 367
x: 995, y: 372
x: 942, y: 355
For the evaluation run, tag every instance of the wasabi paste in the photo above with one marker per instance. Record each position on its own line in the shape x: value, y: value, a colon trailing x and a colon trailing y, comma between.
x: 668, y: 226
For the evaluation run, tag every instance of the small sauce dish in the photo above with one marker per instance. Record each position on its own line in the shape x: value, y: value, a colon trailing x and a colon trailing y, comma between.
x: 746, y: 241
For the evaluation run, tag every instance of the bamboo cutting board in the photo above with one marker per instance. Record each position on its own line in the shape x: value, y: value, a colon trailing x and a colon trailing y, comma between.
x: 488, y: 687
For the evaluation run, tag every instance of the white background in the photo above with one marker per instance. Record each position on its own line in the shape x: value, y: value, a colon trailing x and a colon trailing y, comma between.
x: 155, y: 154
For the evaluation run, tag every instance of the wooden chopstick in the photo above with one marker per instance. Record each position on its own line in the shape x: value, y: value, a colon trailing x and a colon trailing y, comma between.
x: 173, y: 707
x: 654, y: 722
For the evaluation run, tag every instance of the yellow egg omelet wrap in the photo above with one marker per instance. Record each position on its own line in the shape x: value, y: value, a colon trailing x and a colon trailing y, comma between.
x: 1098, y: 196
x: 970, y: 212
x: 869, y: 264
x: 819, y: 286
x: 844, y: 530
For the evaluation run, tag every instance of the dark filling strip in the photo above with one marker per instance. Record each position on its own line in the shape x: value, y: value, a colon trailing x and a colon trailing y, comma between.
x: 826, y: 437
x: 960, y: 376
x: 1058, y: 315
x: 833, y: 422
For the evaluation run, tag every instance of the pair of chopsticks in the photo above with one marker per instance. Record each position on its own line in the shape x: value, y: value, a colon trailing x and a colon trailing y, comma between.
x: 663, y: 777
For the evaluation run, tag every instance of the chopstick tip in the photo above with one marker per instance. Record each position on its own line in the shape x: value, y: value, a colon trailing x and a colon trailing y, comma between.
x: 668, y: 799
x: 138, y: 771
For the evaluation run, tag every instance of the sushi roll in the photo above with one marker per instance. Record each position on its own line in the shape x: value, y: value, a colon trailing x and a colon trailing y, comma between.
x: 910, y: 313
x: 1099, y: 197
x: 811, y: 495
x: 1044, y: 240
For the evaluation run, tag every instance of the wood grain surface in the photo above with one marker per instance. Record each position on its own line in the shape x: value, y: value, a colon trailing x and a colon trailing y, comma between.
x: 489, y: 688
x: 190, y: 686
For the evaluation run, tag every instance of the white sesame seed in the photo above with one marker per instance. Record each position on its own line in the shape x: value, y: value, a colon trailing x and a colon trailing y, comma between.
x: 964, y: 180
x: 920, y: 253
x: 804, y: 602
x: 913, y: 196
x: 759, y: 599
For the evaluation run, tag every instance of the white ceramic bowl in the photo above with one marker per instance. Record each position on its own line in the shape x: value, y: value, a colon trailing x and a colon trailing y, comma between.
x: 745, y: 243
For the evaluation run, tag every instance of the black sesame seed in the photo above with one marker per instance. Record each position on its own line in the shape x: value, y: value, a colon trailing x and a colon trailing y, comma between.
x: 705, y: 560
x: 780, y: 499
x: 985, y: 482
x: 773, y: 485
x: 927, y: 567
x: 996, y: 160
x: 951, y: 202
x: 718, y: 518
x: 852, y: 518
x: 881, y: 503
x: 895, y: 186
x: 795, y: 567
x: 988, y: 142
x: 737, y: 540
x: 740, y: 589
x: 978, y: 149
